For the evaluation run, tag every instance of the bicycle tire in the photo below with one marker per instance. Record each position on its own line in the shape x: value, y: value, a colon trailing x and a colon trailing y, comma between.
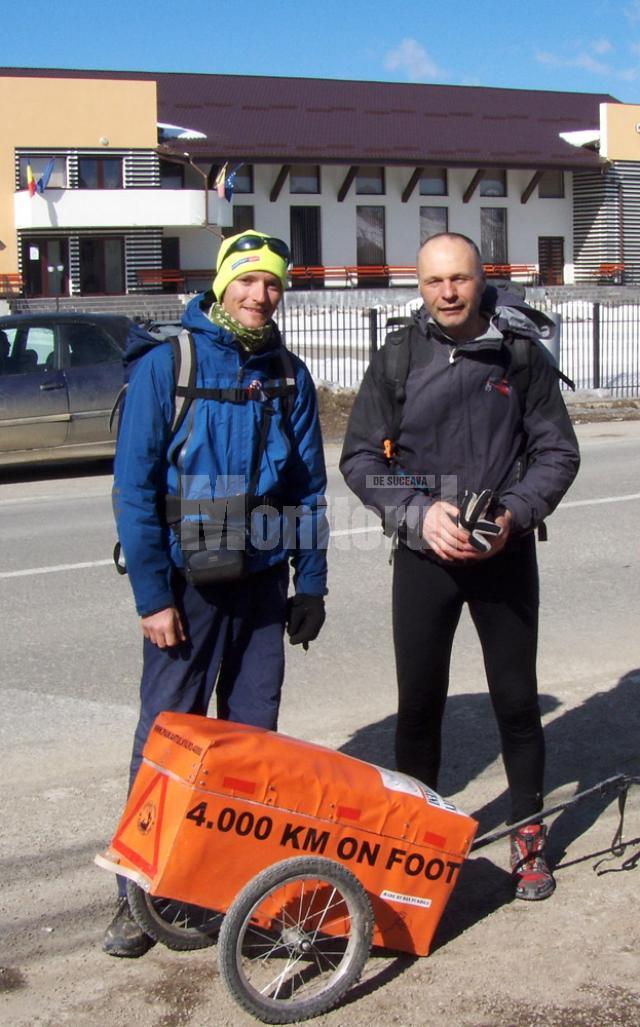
x: 178, y: 925
x: 295, y: 939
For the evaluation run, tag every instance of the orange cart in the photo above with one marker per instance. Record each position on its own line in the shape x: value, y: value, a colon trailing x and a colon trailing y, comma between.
x: 295, y: 858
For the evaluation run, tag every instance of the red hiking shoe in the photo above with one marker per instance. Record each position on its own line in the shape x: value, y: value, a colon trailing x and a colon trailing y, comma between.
x: 529, y: 870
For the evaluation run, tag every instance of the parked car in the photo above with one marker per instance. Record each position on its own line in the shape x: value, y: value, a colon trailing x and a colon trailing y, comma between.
x: 59, y: 376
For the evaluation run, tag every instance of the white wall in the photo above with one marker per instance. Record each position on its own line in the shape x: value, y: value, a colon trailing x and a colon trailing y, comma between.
x: 525, y: 222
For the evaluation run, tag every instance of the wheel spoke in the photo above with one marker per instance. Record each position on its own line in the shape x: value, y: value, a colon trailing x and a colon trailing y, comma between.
x: 295, y: 939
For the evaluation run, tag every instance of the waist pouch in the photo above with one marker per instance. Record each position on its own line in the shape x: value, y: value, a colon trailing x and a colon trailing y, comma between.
x: 214, y: 535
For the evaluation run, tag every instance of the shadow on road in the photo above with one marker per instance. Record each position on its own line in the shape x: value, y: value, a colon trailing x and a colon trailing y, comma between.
x: 585, y: 745
x: 12, y: 475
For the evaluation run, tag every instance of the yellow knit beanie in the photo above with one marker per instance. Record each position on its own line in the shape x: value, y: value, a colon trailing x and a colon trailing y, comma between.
x: 234, y: 262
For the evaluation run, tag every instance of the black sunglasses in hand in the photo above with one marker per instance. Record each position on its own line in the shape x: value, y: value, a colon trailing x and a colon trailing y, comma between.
x: 256, y: 242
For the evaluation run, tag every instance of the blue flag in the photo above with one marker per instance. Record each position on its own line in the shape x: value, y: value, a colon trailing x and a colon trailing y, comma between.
x: 43, y: 181
x: 230, y: 181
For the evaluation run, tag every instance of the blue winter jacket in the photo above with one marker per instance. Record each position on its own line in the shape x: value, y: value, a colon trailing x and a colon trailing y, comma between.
x: 211, y: 456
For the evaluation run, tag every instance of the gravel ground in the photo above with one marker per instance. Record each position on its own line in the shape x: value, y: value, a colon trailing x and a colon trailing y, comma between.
x: 572, y: 961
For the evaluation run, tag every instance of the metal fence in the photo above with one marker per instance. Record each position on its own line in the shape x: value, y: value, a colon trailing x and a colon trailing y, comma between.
x: 600, y: 345
x: 600, y: 342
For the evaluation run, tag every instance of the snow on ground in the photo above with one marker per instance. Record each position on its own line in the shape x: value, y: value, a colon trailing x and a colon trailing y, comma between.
x: 334, y: 342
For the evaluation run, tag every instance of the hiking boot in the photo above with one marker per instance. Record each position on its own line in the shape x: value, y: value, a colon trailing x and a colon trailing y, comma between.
x: 529, y: 870
x: 123, y: 936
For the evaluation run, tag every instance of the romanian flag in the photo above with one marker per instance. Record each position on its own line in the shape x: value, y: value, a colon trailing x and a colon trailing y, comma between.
x: 31, y: 182
x: 220, y: 181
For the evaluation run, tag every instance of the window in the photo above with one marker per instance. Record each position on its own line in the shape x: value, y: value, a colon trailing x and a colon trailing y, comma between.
x: 304, y: 178
x: 370, y: 235
x: 243, y: 219
x: 171, y: 175
x: 494, y: 182
x: 100, y: 173
x: 243, y: 182
x: 28, y: 348
x: 551, y: 185
x: 370, y: 181
x: 433, y: 182
x: 493, y: 235
x: 305, y: 236
x: 58, y: 179
x: 170, y: 247
x: 86, y: 344
x: 432, y: 221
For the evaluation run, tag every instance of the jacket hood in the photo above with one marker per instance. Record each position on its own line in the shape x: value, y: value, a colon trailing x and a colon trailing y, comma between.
x: 195, y: 318
x: 139, y: 341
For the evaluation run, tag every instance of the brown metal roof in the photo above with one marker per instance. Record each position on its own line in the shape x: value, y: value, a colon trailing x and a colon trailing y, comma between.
x: 264, y: 119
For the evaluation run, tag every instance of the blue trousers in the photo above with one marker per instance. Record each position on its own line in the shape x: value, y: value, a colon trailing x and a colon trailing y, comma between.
x: 235, y: 646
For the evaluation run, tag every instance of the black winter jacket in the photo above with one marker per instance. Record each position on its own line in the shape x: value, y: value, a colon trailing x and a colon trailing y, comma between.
x: 465, y: 425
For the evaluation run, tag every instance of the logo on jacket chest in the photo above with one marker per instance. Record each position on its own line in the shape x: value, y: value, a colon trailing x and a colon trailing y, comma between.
x: 501, y: 385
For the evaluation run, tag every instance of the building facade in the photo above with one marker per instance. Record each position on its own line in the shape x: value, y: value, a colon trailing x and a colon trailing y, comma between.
x: 355, y: 175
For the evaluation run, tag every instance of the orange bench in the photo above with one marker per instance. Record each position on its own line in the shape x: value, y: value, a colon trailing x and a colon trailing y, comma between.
x: 307, y: 275
x: 161, y: 276
x: 610, y: 272
x: 351, y: 274
x: 529, y: 271
x: 11, y: 283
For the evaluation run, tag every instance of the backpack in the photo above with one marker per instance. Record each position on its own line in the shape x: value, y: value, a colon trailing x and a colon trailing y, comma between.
x: 513, y: 312
x: 186, y: 391
x: 185, y: 364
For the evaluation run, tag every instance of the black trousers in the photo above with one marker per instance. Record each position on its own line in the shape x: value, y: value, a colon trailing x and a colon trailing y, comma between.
x: 503, y: 598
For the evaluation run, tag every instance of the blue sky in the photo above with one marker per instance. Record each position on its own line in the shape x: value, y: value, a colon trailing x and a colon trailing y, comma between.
x: 577, y: 45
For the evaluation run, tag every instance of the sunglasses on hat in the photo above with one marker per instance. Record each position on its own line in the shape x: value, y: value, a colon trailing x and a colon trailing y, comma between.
x: 256, y: 242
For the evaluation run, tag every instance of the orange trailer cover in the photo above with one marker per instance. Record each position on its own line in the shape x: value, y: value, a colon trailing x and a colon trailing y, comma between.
x: 215, y: 802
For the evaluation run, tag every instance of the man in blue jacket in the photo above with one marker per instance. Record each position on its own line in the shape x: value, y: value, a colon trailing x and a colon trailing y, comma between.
x: 484, y: 451
x: 211, y: 515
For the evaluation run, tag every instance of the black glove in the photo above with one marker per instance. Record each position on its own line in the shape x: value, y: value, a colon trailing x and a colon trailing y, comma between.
x: 473, y: 510
x: 305, y: 617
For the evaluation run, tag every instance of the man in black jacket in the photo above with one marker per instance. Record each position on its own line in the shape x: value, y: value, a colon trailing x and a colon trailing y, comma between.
x: 478, y: 461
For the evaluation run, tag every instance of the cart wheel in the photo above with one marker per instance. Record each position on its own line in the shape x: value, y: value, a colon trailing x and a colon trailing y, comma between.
x: 178, y: 925
x: 295, y: 939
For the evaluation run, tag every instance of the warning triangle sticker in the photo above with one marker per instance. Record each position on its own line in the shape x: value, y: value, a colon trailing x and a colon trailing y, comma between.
x: 138, y: 837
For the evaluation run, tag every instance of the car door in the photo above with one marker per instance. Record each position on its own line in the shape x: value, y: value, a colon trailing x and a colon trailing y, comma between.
x: 34, y: 408
x: 93, y: 370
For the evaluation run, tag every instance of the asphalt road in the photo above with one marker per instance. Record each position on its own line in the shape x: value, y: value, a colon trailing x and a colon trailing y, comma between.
x: 68, y: 684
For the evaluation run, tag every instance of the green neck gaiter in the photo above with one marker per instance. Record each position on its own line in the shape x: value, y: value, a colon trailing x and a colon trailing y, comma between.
x: 251, y: 339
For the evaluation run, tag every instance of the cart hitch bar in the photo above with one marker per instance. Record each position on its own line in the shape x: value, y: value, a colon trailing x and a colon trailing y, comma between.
x: 620, y: 784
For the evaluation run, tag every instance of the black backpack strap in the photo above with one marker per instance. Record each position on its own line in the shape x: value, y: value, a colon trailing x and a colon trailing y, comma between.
x: 265, y: 392
x: 566, y: 379
x: 520, y: 366
x: 520, y: 348
x: 289, y: 376
x: 396, y: 358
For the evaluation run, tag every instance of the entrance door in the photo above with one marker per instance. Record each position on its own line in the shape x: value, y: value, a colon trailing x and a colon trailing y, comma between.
x: 101, y: 266
x: 45, y: 266
x: 551, y: 259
